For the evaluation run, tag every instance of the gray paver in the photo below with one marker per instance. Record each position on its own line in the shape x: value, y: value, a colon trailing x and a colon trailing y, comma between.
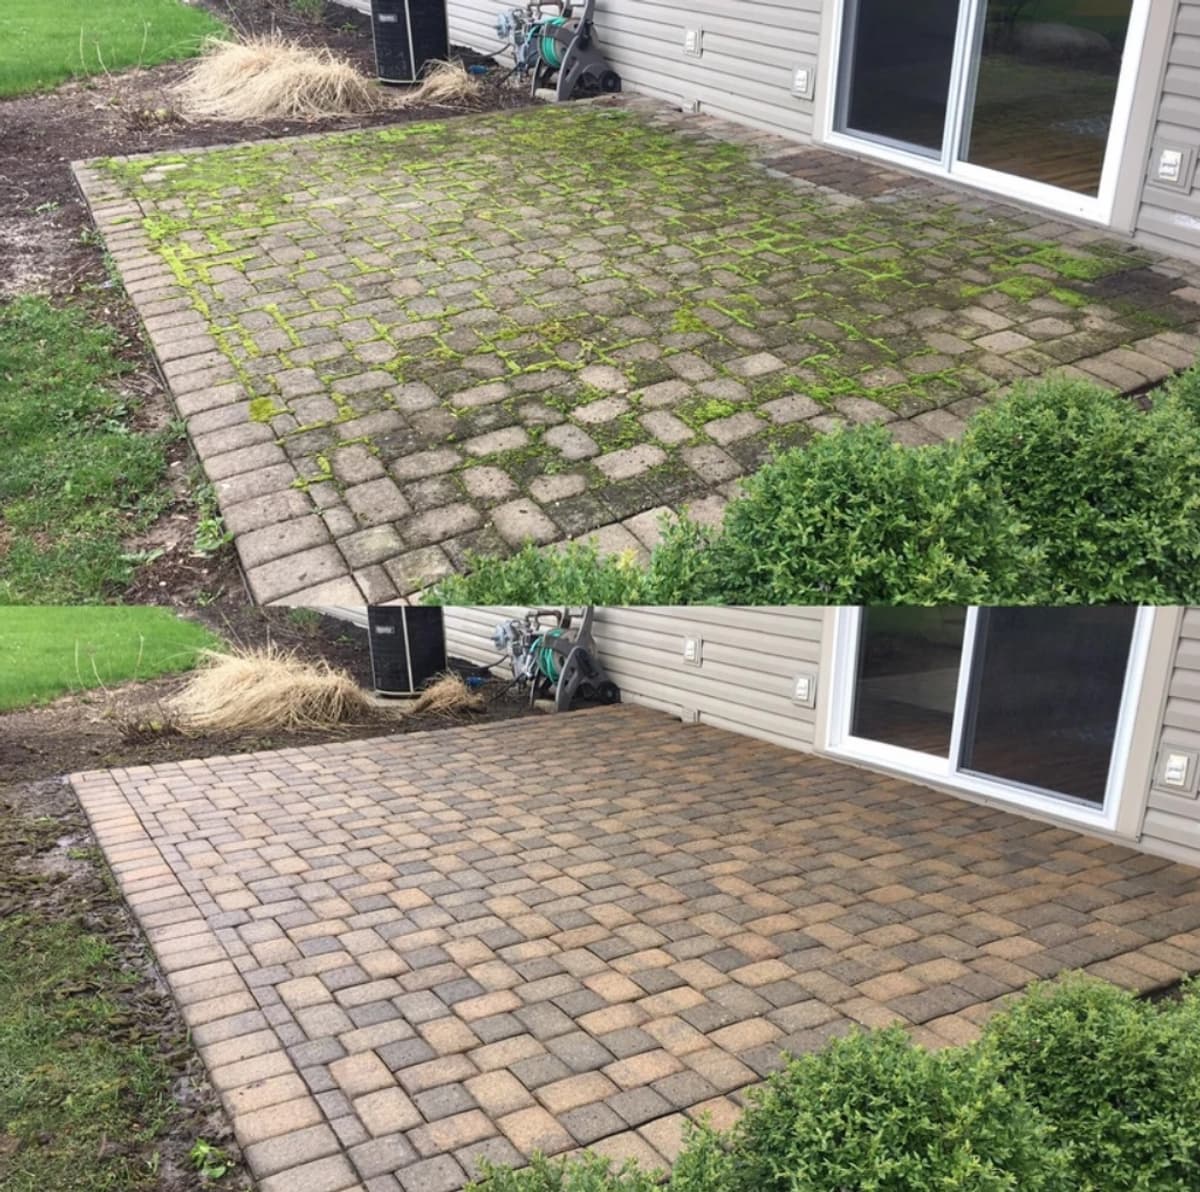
x: 625, y: 1020
x: 364, y: 342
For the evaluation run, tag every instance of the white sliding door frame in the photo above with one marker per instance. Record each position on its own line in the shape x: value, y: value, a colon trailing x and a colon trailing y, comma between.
x: 1111, y: 816
x: 948, y: 164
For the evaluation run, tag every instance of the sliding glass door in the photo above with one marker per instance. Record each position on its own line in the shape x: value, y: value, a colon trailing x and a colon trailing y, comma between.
x: 898, y: 62
x: 1028, y: 97
x: 1024, y: 702
x: 1043, y: 696
x: 1044, y: 89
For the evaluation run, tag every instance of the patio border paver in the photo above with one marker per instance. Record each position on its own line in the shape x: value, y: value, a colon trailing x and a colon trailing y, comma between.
x: 300, y: 544
x: 407, y: 997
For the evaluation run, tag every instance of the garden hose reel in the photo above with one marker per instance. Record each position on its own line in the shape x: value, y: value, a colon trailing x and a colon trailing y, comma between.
x: 554, y: 659
x: 560, y: 49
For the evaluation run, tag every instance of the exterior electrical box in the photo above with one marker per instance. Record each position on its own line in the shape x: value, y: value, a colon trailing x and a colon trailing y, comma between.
x: 408, y: 647
x: 408, y: 34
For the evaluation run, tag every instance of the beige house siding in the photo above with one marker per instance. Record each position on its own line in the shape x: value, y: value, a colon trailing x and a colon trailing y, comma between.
x: 1172, y: 823
x: 745, y: 681
x: 1168, y: 218
x: 750, y: 51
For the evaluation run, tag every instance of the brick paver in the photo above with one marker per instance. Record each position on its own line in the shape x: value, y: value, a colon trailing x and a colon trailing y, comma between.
x: 582, y: 930
x: 398, y: 346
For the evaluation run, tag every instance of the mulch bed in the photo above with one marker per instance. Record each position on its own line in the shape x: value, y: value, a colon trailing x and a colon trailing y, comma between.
x: 46, y: 848
x: 47, y: 244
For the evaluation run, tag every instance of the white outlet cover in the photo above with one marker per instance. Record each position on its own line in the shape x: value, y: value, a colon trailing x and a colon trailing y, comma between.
x: 804, y: 690
x: 802, y: 81
x: 693, y: 651
x: 693, y: 42
x: 1175, y: 769
x: 1170, y: 165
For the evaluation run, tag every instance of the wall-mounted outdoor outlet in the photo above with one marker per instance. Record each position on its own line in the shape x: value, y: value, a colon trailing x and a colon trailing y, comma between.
x: 1170, y: 165
x: 1173, y: 166
x: 1177, y: 770
x: 693, y: 42
x: 802, y: 82
x: 693, y: 651
x: 694, y: 107
x: 804, y: 690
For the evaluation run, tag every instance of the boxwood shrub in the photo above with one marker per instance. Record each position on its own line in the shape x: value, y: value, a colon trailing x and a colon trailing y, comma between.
x: 1060, y: 493
x: 1110, y: 494
x: 1116, y: 1077
x: 1076, y: 1087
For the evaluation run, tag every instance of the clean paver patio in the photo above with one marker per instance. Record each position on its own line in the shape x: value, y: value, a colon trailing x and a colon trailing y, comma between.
x: 399, y: 955
x: 398, y: 346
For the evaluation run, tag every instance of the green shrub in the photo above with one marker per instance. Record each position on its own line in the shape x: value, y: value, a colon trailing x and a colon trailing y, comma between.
x: 1062, y: 493
x: 857, y: 518
x: 573, y: 574
x: 1110, y: 494
x: 875, y: 1112
x: 1118, y: 1078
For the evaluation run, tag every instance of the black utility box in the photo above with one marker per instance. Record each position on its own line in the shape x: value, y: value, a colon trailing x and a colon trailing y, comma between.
x: 408, y: 647
x: 408, y: 34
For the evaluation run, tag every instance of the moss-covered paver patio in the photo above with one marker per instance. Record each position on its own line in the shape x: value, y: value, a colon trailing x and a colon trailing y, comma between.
x: 399, y: 956
x: 396, y: 346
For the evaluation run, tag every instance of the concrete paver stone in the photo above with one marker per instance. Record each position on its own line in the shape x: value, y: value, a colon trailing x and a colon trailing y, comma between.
x: 451, y: 955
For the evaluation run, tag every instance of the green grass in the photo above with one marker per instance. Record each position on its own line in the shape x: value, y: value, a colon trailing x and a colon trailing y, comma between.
x: 76, y: 480
x: 46, y: 43
x: 82, y: 1097
x: 46, y: 652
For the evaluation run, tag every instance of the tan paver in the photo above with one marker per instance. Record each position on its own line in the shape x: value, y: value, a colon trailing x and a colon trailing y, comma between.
x: 583, y: 954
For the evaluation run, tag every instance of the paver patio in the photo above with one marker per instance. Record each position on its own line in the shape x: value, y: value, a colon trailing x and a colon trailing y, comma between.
x: 397, y: 346
x: 399, y: 955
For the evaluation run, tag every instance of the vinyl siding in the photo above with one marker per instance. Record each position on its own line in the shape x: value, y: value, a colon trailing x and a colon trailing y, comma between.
x: 750, y: 49
x: 1172, y: 823
x: 1169, y: 219
x: 750, y: 660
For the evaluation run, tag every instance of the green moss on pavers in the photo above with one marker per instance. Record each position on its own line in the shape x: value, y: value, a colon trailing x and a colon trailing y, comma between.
x: 429, y: 240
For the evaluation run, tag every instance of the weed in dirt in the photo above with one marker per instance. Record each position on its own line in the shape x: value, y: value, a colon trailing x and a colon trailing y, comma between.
x: 308, y: 10
x: 78, y: 478
x: 307, y: 620
x: 210, y: 1161
x: 211, y: 534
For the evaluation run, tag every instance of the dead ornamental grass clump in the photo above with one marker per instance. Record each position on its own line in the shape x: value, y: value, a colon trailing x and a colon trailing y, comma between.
x: 446, y: 695
x: 255, y: 690
x: 273, y: 78
x: 273, y: 689
x: 448, y: 83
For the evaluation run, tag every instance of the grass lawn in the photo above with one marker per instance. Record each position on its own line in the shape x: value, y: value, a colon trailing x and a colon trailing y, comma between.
x: 46, y: 651
x: 76, y: 480
x: 48, y: 42
x: 81, y: 1096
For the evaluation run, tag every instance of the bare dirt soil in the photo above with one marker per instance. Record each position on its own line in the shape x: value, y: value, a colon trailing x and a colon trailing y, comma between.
x: 48, y: 244
x: 51, y: 868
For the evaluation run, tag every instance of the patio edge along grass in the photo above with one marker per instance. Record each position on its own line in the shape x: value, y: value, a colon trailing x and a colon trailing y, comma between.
x: 317, y: 507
